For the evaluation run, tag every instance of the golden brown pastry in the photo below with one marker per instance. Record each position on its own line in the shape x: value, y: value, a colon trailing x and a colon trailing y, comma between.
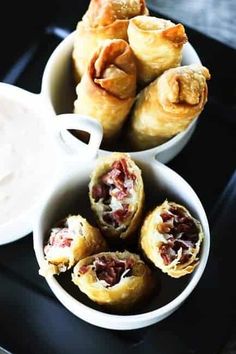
x: 71, y: 240
x: 117, y: 195
x: 157, y: 45
x: 168, y: 105
x: 117, y: 280
x: 107, y: 89
x: 104, y: 19
x: 171, y: 239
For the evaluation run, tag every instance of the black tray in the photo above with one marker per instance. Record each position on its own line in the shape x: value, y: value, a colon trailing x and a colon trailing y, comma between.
x: 33, y: 321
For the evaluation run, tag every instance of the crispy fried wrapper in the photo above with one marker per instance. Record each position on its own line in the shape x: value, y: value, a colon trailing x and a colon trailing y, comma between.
x: 168, y: 105
x: 157, y: 45
x: 104, y: 19
x: 116, y: 194
x: 71, y: 240
x: 171, y: 238
x: 107, y: 89
x: 116, y: 280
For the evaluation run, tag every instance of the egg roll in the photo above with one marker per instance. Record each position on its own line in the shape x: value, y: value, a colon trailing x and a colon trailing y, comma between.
x: 168, y: 105
x: 70, y: 240
x: 104, y: 19
x: 117, y: 280
x: 107, y: 89
x: 116, y: 194
x: 171, y: 238
x: 157, y: 45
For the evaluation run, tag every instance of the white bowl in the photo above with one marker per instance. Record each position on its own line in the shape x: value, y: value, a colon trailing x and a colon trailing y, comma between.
x: 71, y: 196
x: 60, y: 153
x: 59, y: 90
x: 21, y: 225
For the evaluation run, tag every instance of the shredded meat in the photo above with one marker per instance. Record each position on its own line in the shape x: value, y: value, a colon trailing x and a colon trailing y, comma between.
x: 111, y: 269
x: 83, y: 269
x: 117, y: 217
x: 60, y: 237
x: 117, y: 183
x: 182, y: 233
x: 100, y: 191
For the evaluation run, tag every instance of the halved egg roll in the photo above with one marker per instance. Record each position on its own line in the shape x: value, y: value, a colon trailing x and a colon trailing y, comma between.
x: 168, y: 105
x: 117, y: 280
x: 104, y: 19
x: 107, y: 89
x: 157, y: 45
x: 171, y: 238
x: 117, y: 195
x: 69, y: 241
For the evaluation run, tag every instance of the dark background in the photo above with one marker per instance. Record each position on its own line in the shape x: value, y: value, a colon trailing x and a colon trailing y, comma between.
x: 23, y: 21
x: 31, y: 320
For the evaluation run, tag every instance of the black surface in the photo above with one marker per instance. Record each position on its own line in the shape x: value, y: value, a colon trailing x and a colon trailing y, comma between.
x: 31, y: 318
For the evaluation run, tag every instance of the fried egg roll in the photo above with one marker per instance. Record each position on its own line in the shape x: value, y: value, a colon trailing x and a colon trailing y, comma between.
x: 107, y: 89
x: 117, y: 280
x: 171, y: 238
x: 168, y: 105
x: 157, y: 45
x: 117, y: 195
x: 71, y: 240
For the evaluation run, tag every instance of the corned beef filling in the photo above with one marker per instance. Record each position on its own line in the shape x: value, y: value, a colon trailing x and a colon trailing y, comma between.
x: 117, y: 184
x: 110, y: 269
x: 180, y: 231
x: 60, y: 237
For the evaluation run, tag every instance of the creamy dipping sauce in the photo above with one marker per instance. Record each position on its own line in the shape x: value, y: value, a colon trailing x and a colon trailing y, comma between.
x: 26, y: 159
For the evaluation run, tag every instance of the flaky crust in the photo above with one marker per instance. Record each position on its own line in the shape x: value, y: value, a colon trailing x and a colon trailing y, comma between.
x: 104, y: 19
x: 87, y: 240
x: 157, y: 45
x: 88, y: 39
x: 107, y: 89
x: 168, y: 105
x: 122, y: 296
x: 103, y: 166
x: 151, y: 240
x: 105, y: 12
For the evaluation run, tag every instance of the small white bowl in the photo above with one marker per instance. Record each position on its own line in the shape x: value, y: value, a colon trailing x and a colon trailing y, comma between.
x: 71, y: 196
x: 58, y: 88
x: 60, y: 153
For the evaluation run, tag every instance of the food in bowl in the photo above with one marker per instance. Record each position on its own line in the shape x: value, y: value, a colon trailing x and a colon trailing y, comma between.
x: 170, y: 233
x: 160, y: 184
x: 106, y: 89
x: 117, y: 195
x: 70, y: 240
x: 59, y: 88
x: 171, y: 239
x: 116, y: 280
